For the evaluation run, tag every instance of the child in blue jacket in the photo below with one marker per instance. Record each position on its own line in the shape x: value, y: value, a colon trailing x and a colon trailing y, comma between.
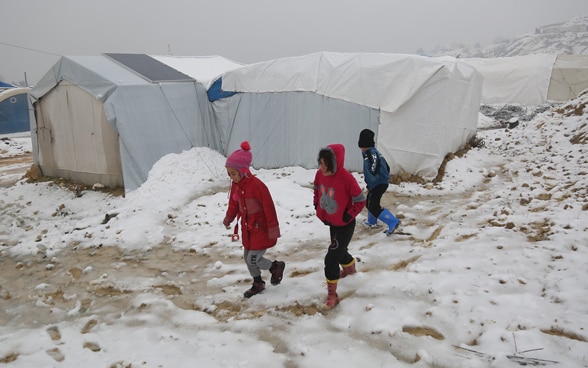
x: 377, y: 178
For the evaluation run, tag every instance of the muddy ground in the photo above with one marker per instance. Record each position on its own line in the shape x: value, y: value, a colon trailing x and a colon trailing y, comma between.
x: 77, y: 278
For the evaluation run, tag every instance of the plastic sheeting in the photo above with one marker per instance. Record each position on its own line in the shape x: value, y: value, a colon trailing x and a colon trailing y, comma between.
x: 14, y: 110
x: 532, y: 80
x: 521, y: 79
x: 289, y: 128
x: 420, y: 108
x: 148, y: 121
x: 569, y: 77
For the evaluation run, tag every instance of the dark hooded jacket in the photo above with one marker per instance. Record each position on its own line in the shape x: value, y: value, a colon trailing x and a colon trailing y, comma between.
x: 338, y: 198
x: 375, y: 168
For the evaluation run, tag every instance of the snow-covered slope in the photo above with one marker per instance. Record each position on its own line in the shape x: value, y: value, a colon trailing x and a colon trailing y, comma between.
x: 569, y: 38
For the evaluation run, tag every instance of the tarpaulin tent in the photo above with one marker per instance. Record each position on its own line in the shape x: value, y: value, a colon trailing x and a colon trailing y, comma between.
x: 14, y: 110
x: 107, y: 119
x: 531, y: 80
x: 569, y: 77
x: 420, y: 108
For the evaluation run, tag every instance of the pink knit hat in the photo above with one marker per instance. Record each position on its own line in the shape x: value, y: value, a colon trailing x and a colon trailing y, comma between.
x: 241, y: 158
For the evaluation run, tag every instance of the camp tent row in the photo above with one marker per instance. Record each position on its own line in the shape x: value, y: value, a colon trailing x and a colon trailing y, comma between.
x: 107, y: 119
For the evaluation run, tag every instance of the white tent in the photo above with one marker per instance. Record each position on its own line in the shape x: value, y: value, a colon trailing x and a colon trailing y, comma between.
x: 420, y: 108
x: 107, y: 119
x: 569, y: 77
x: 531, y: 79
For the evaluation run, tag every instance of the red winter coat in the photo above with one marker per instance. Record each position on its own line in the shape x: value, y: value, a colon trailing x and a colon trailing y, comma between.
x: 252, y: 201
x: 338, y: 194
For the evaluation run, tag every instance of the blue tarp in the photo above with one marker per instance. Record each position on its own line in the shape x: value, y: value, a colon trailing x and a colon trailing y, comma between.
x: 216, y: 92
x: 14, y: 113
x: 6, y: 85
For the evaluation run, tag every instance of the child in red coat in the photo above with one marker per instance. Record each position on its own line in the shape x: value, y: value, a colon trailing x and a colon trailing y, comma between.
x: 251, y: 200
x: 338, y: 199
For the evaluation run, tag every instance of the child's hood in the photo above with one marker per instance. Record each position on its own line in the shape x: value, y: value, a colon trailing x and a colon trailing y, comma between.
x: 339, y: 154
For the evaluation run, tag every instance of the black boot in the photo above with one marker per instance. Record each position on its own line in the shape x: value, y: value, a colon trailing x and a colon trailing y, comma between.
x: 277, y: 270
x: 256, y: 288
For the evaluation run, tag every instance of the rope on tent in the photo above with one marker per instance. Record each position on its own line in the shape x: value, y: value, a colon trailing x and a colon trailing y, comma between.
x: 209, y: 134
x: 212, y: 169
x: 226, y: 147
x: 174, y: 114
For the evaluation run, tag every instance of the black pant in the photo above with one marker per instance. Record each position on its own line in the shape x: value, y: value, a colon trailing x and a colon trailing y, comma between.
x: 374, y: 197
x: 337, y: 253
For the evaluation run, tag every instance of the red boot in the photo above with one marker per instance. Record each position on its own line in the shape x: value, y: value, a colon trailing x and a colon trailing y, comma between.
x: 332, y: 297
x: 348, y: 269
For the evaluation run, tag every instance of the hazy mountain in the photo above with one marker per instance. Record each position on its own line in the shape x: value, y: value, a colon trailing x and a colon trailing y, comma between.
x: 569, y: 38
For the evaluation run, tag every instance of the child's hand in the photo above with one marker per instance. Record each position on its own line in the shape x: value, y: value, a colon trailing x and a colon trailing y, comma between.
x: 347, y: 217
x: 227, y: 223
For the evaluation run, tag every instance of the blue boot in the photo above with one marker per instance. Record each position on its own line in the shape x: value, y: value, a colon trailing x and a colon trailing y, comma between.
x: 371, y: 222
x: 389, y: 219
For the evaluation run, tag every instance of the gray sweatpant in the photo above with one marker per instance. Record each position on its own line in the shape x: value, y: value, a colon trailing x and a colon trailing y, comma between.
x: 256, y: 261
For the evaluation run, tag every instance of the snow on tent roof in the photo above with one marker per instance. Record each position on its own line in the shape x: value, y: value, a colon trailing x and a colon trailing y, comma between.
x: 204, y: 69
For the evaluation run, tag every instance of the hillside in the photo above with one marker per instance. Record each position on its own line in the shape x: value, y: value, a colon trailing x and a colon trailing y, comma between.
x: 570, y: 38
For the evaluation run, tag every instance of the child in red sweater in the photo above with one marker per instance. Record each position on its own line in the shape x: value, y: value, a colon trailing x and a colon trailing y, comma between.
x: 338, y: 199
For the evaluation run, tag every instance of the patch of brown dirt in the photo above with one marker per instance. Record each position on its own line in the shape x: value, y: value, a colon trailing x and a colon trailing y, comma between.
x: 567, y: 334
x: 33, y: 175
x: 423, y: 331
x: 93, y: 280
x: 403, y: 264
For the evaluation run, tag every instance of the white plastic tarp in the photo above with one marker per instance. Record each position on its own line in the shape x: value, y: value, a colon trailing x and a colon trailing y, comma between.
x: 204, y: 69
x: 569, y: 77
x: 150, y: 120
x: 522, y: 79
x: 288, y: 128
x: 427, y: 107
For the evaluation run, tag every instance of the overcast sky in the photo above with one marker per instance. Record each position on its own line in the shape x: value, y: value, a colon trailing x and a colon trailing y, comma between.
x: 249, y: 31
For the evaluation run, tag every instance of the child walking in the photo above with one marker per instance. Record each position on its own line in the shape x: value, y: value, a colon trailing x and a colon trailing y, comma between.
x: 377, y: 178
x: 251, y: 201
x: 338, y: 199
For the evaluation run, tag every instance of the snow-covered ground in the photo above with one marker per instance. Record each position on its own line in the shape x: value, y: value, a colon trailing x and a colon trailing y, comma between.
x: 493, y: 270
